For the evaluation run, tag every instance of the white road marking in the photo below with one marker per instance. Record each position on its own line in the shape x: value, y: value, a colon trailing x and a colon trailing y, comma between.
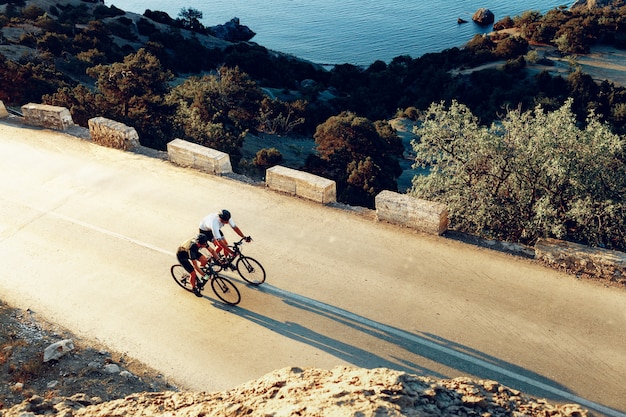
x: 110, y: 233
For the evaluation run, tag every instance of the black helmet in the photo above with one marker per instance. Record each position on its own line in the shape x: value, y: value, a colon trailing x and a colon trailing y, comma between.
x: 202, y: 239
x: 225, y: 215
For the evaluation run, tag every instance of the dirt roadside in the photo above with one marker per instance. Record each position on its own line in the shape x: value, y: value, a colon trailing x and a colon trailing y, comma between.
x: 89, y: 369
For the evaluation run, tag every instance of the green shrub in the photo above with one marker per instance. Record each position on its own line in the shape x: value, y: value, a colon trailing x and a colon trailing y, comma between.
x: 159, y: 16
x: 266, y: 158
x: 511, y: 47
x: 515, y: 65
x: 32, y: 12
x: 122, y: 29
x: 54, y: 43
x: 145, y: 27
x: 100, y: 12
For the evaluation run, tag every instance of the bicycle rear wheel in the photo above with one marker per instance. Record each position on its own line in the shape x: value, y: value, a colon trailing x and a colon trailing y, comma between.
x: 225, y: 290
x: 181, y: 277
x: 250, y: 270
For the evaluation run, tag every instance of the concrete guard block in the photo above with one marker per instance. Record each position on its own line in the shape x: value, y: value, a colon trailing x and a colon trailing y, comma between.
x: 575, y: 257
x: 301, y: 184
x: 45, y: 115
x: 3, y: 111
x: 188, y: 154
x: 403, y: 209
x: 112, y: 134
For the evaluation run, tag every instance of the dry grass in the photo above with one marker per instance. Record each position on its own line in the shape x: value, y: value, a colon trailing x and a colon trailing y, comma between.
x: 28, y: 370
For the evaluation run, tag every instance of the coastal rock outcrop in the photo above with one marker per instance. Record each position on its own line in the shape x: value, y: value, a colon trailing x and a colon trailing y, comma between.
x: 233, y: 31
x: 483, y: 16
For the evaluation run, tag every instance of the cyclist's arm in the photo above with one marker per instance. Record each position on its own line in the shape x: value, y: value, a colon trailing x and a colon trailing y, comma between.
x: 238, y: 231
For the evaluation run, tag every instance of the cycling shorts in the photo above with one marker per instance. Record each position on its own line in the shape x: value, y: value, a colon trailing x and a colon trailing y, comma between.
x: 209, y: 234
x: 183, y: 258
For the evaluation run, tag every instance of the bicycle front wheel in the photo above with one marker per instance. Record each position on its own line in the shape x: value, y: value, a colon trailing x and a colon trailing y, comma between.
x: 225, y: 290
x: 181, y: 277
x: 250, y: 270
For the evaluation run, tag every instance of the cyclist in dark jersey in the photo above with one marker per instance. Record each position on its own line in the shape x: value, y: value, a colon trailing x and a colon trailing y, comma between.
x: 192, y: 259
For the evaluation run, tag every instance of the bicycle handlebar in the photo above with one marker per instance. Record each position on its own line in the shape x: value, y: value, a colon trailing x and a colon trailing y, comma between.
x: 243, y: 239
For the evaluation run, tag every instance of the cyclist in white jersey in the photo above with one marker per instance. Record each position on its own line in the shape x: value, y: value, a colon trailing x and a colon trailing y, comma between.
x: 211, y: 226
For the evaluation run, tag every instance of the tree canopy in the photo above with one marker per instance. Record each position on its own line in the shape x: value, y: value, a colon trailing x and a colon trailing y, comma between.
x: 216, y: 110
x: 533, y: 174
x: 359, y: 155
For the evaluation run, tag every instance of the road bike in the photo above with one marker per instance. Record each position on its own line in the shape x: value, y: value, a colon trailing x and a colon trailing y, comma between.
x: 222, y: 286
x: 248, y: 268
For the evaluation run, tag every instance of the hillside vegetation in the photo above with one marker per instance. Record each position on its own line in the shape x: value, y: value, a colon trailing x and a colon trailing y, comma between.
x: 172, y: 77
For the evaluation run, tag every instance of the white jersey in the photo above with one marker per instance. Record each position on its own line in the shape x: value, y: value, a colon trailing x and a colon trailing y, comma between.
x: 213, y: 223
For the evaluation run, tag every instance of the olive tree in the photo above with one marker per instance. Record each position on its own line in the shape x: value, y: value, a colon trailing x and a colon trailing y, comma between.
x: 533, y: 174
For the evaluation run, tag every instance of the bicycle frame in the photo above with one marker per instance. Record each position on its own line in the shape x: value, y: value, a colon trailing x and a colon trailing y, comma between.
x: 249, y: 269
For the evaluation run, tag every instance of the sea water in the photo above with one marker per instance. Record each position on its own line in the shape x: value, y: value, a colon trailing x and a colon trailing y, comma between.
x: 357, y: 32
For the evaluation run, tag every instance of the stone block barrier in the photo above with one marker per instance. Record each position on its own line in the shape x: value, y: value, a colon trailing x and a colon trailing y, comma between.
x: 301, y: 184
x: 3, y: 111
x: 422, y: 215
x: 112, y: 134
x: 192, y: 155
x: 576, y: 258
x: 44, y: 115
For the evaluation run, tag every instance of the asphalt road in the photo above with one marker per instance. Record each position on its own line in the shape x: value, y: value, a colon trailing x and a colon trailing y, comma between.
x: 88, y: 234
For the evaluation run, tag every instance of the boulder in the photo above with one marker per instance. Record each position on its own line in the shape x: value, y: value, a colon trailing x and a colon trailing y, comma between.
x: 57, y: 350
x: 483, y: 16
x: 233, y: 31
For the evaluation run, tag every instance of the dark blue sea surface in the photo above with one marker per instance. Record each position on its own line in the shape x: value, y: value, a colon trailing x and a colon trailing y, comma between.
x: 357, y: 32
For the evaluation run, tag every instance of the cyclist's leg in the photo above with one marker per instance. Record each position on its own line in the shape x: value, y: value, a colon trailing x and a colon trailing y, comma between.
x: 222, y: 244
x: 218, y: 247
x: 214, y: 255
x: 183, y: 258
x: 209, y: 235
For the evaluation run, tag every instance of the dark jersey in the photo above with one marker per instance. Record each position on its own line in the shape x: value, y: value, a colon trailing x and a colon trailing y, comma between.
x: 192, y: 248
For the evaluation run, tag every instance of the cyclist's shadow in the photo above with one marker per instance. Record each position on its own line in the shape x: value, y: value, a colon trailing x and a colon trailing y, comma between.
x: 463, y: 359
x: 295, y: 331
